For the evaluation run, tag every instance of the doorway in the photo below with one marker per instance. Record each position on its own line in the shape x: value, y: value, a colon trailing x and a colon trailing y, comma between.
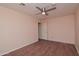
x: 42, y: 30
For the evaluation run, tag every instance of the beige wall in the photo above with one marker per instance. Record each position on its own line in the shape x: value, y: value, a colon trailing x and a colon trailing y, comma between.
x: 16, y: 30
x: 62, y: 29
x: 77, y: 30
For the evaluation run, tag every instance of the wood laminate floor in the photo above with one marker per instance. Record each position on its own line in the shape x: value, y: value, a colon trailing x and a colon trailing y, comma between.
x: 45, y: 48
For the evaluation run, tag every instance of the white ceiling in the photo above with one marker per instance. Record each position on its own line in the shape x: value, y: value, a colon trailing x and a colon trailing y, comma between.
x: 30, y: 9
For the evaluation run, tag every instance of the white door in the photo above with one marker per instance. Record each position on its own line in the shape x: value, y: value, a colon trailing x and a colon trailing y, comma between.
x: 42, y: 31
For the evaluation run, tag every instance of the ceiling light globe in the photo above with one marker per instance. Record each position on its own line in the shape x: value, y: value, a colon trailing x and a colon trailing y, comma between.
x: 43, y: 13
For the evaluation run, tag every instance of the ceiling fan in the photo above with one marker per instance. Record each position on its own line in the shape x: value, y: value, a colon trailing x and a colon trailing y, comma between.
x: 44, y: 11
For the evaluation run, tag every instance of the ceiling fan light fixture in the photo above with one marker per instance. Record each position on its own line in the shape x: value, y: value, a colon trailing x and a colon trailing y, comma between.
x: 43, y: 13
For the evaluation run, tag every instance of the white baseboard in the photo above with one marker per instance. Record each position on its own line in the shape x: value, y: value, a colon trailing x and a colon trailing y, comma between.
x: 17, y: 48
x: 62, y: 41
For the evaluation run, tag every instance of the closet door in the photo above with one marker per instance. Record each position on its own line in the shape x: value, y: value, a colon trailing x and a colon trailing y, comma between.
x: 43, y: 30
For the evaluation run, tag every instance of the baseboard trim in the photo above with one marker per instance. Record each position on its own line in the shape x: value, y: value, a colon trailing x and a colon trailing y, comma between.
x: 59, y: 41
x: 17, y: 48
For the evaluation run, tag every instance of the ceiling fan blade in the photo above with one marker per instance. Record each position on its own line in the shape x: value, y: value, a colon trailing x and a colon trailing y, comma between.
x: 51, y: 9
x: 46, y: 14
x: 39, y: 9
x: 38, y: 13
